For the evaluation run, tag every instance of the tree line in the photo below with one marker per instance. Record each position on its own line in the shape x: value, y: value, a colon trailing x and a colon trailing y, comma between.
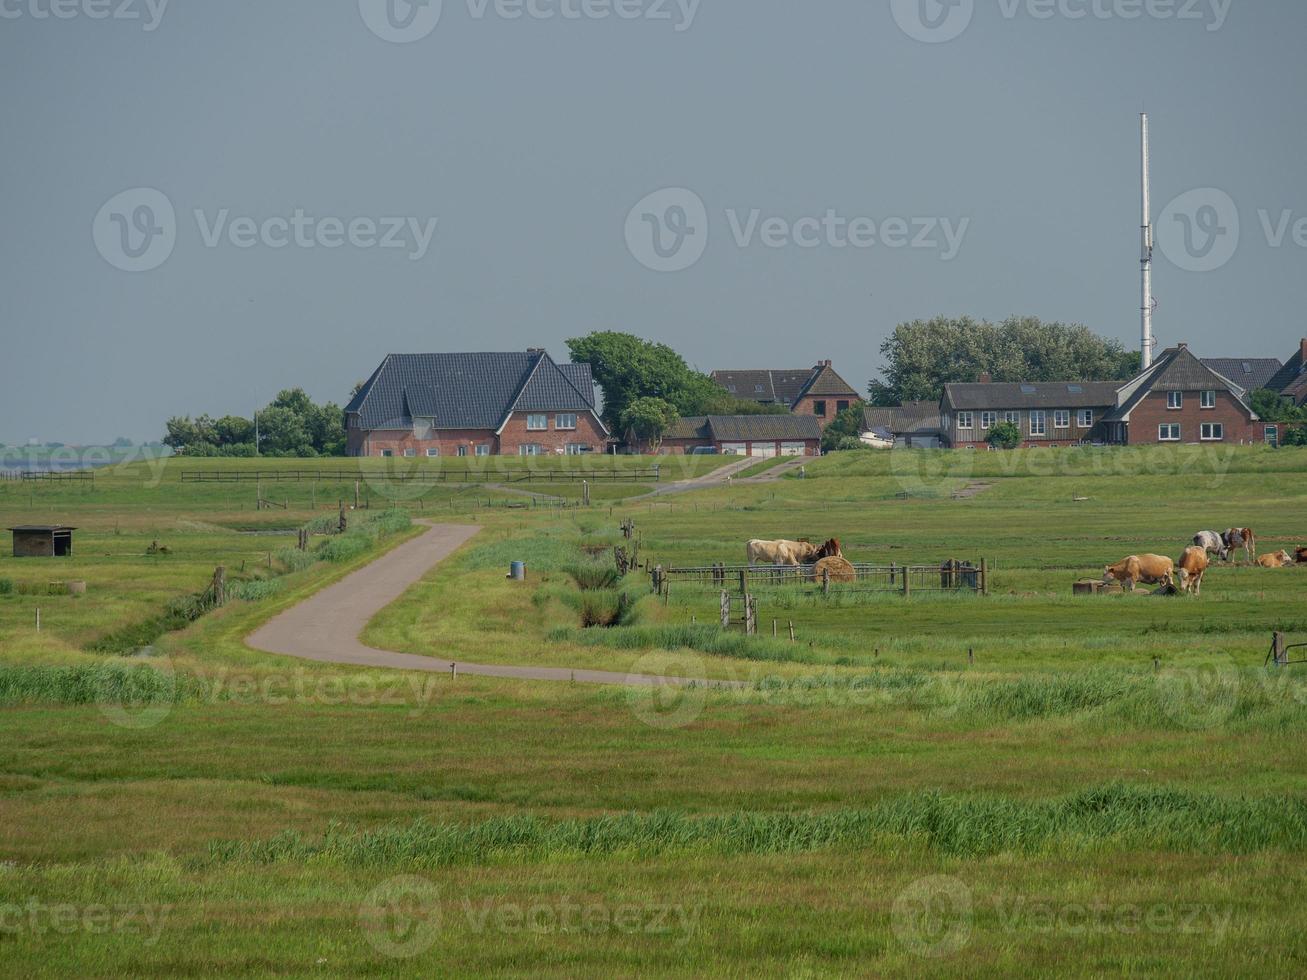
x: 291, y: 425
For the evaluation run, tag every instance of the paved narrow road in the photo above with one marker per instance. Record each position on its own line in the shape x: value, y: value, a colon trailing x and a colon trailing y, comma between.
x: 325, y: 627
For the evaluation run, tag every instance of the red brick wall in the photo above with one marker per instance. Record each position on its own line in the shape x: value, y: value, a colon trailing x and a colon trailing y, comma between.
x: 587, y: 432
x: 1152, y: 412
x: 807, y: 406
x: 678, y: 447
x: 448, y: 441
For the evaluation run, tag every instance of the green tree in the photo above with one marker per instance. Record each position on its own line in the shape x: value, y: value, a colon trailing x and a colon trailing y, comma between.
x: 846, y: 426
x: 647, y: 420
x: 283, y: 432
x: 1269, y: 405
x: 232, y: 430
x: 924, y: 355
x: 1004, y: 435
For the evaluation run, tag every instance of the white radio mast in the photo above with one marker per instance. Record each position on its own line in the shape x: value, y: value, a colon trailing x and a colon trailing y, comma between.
x: 1146, y: 341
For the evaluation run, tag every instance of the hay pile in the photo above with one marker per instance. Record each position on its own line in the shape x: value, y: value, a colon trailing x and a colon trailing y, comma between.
x: 840, y: 570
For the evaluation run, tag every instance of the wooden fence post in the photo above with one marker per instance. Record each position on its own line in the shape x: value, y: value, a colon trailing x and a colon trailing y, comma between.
x: 750, y: 616
x: 726, y: 609
x: 744, y: 580
x: 219, y: 586
x: 825, y: 581
x: 984, y: 576
x: 1277, y: 647
x: 791, y: 631
x: 907, y: 581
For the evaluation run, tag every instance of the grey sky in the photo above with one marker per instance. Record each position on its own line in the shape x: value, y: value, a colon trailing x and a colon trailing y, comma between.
x: 531, y: 140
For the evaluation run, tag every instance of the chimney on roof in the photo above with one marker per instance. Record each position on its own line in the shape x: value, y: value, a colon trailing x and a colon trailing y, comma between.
x: 1182, y: 346
x: 535, y: 350
x: 823, y: 364
x: 1303, y: 350
x: 986, y: 378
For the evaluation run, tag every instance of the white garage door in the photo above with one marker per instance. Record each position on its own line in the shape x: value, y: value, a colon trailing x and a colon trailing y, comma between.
x: 794, y: 449
x: 733, y: 448
x: 765, y: 450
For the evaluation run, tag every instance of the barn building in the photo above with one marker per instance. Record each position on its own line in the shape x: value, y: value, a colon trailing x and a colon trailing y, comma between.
x: 763, y: 436
x: 43, y: 541
x: 490, y: 404
x: 816, y: 391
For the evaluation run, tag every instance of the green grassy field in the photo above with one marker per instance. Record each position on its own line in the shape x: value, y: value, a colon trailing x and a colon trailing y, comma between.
x: 1023, y: 783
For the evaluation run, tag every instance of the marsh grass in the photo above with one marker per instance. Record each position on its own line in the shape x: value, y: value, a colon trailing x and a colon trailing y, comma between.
x: 121, y: 683
x: 1113, y: 815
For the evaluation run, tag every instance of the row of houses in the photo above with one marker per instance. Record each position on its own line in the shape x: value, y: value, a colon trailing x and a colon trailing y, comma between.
x: 526, y: 404
x: 1181, y: 398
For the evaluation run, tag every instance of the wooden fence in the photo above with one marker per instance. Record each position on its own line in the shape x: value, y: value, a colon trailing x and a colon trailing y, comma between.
x: 948, y: 576
x: 46, y: 476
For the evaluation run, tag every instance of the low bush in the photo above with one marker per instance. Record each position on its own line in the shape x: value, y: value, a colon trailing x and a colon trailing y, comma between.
x: 6, y: 586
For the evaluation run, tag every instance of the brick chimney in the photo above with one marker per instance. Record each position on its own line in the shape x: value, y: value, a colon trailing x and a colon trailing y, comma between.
x: 986, y: 378
x: 1303, y: 351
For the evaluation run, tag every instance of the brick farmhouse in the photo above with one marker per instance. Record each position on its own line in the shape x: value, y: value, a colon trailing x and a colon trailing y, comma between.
x: 1180, y: 399
x: 816, y: 391
x: 490, y: 404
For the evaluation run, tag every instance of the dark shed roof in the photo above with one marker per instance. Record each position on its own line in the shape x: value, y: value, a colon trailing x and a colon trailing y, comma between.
x: 42, y: 528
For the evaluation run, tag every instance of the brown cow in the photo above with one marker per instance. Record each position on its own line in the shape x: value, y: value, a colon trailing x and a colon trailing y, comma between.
x: 1193, y: 565
x: 1301, y: 556
x: 1149, y: 569
x: 1241, y: 537
x: 1278, y: 560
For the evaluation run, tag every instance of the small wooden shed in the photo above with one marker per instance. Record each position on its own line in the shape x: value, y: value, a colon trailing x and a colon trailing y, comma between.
x: 43, y: 541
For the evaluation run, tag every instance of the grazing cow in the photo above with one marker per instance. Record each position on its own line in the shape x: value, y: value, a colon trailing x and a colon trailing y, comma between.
x: 792, y: 553
x: 1301, y: 556
x: 1193, y: 565
x: 1241, y: 537
x: 1212, y: 543
x: 831, y: 549
x: 1149, y: 569
x: 1278, y: 560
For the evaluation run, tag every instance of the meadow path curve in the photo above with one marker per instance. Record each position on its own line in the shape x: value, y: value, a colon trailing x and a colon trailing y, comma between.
x: 326, y: 626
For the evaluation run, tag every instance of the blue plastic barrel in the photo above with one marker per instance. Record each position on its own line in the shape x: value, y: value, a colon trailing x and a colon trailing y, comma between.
x: 518, y: 571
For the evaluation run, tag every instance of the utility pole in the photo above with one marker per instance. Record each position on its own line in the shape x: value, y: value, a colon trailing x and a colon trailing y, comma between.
x: 1146, y: 341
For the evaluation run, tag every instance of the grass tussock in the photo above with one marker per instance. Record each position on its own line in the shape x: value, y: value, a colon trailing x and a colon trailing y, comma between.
x: 1114, y: 815
x: 362, y: 537
x: 116, y: 683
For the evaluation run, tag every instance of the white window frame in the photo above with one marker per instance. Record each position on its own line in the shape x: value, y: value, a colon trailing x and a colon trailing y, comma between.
x: 462, y: 451
x: 576, y: 448
x: 387, y: 453
x: 966, y: 420
x: 1174, y: 401
x: 1208, y: 400
x: 1013, y: 417
x: 1038, y: 422
x: 1085, y: 418
x: 410, y: 453
x: 433, y: 452
x: 530, y: 449
x: 537, y: 422
x: 1062, y: 418
x: 1164, y: 432
x: 988, y: 420
x: 483, y: 450
x: 1212, y: 432
x: 560, y: 421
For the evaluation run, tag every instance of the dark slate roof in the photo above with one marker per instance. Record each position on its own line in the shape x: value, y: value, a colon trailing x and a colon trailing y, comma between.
x: 910, y: 418
x: 1291, y: 380
x: 825, y: 381
x: 1036, y: 395
x: 1176, y: 369
x: 42, y: 528
x: 1249, y: 373
x: 784, y: 387
x: 466, y: 391
x: 746, y: 428
x: 582, y: 379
